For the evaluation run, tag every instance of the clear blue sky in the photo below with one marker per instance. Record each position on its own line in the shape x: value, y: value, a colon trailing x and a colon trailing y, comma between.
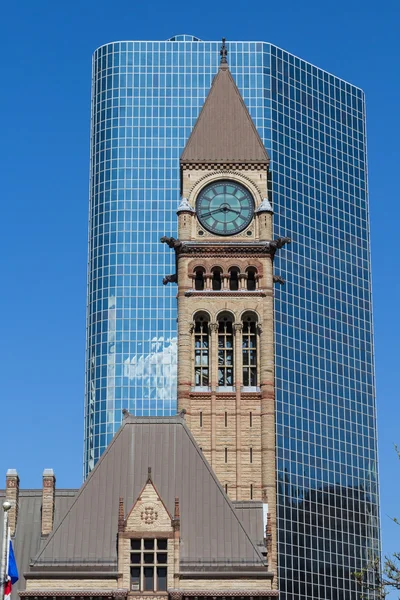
x: 46, y: 49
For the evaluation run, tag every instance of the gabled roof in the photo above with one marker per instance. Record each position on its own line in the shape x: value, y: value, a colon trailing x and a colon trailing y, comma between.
x: 211, y: 532
x: 224, y: 131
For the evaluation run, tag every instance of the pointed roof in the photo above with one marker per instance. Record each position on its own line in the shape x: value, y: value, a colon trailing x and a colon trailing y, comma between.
x: 224, y: 131
x: 212, y: 533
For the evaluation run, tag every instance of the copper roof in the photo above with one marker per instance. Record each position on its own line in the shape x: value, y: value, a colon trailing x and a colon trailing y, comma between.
x: 224, y: 131
x: 212, y: 534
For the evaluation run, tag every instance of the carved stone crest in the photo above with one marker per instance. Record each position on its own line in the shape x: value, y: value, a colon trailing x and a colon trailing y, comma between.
x: 149, y: 513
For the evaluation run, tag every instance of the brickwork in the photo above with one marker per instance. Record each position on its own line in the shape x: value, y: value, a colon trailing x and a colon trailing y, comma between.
x: 48, y: 500
x: 236, y: 430
x: 148, y: 513
x: 12, y: 496
x: 149, y: 518
x: 228, y: 583
x: 71, y: 584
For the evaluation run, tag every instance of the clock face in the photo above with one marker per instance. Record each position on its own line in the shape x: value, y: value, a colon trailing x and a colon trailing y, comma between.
x: 225, y: 207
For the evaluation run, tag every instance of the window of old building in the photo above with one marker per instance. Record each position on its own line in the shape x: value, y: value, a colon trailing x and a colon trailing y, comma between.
x: 249, y: 354
x: 251, y: 278
x: 199, y: 279
x: 216, y: 278
x: 149, y: 559
x: 234, y: 279
x: 201, y: 351
x: 225, y: 351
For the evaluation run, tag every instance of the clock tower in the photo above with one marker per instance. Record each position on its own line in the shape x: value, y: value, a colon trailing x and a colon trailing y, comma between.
x: 224, y: 261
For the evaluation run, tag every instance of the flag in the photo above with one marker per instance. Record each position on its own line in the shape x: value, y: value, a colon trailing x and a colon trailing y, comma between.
x: 11, y: 571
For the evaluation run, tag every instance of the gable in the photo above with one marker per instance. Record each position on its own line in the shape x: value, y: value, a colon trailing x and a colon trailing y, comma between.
x: 148, y: 513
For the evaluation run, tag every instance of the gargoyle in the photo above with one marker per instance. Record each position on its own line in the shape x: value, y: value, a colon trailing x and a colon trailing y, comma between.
x: 278, y: 243
x: 170, y: 279
x: 278, y: 279
x: 171, y: 242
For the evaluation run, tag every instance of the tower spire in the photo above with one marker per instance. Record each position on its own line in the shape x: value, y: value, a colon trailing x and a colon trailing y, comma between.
x: 223, y: 53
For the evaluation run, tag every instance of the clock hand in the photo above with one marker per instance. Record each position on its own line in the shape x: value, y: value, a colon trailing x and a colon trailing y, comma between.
x: 212, y: 212
x: 224, y: 209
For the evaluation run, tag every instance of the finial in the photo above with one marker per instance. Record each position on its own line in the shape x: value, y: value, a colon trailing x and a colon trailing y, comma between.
x: 177, y: 510
x: 224, y: 53
x: 149, y: 475
x: 121, y: 515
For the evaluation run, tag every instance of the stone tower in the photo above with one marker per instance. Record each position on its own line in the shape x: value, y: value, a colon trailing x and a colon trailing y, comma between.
x: 224, y: 262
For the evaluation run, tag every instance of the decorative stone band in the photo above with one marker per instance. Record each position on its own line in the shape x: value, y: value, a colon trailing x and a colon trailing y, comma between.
x: 237, y: 294
x: 76, y: 593
x: 259, y: 166
x: 226, y: 249
x: 176, y: 594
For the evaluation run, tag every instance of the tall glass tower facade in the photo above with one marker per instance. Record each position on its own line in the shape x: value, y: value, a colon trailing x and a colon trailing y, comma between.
x: 146, y: 97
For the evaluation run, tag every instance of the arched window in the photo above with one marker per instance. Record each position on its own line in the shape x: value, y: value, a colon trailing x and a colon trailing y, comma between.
x: 201, y: 351
x: 199, y: 278
x: 234, y: 279
x: 216, y: 278
x: 251, y: 279
x: 225, y: 351
x: 249, y: 352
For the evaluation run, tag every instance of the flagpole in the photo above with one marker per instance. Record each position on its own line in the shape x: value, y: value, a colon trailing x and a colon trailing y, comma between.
x: 6, y: 508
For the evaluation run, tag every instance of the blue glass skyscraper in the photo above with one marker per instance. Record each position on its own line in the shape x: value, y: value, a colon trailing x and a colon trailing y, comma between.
x: 146, y: 98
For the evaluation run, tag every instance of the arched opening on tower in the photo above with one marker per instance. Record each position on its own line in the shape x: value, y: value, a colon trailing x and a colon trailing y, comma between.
x: 250, y: 349
x: 216, y: 278
x: 199, y: 278
x: 251, y: 278
x: 234, y: 279
x: 225, y: 350
x: 201, y: 349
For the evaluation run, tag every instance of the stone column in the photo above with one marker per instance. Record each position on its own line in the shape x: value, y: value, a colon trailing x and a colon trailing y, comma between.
x: 12, y: 496
x: 242, y: 281
x: 267, y: 385
x: 238, y: 328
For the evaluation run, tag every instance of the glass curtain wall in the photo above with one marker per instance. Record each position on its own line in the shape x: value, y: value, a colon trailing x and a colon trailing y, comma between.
x: 146, y: 97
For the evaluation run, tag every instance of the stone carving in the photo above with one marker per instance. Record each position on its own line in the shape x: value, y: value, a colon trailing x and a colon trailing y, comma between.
x: 170, y: 279
x: 149, y: 513
x: 278, y: 279
x: 278, y: 243
x: 171, y: 242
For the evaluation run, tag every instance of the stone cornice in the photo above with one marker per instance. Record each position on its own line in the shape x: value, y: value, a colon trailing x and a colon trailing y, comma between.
x: 177, y: 594
x: 236, y: 294
x: 75, y: 593
x: 228, y: 249
x: 249, y: 166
